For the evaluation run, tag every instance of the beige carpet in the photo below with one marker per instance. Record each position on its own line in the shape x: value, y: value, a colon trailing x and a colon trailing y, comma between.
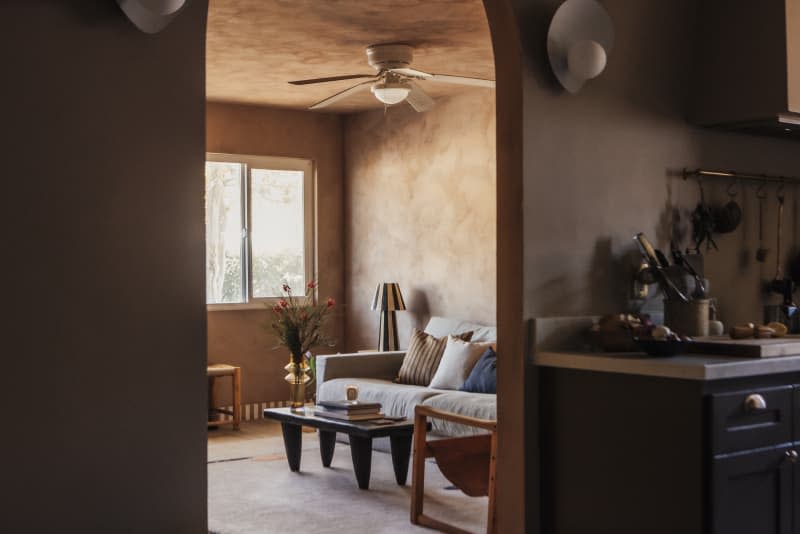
x: 251, y: 490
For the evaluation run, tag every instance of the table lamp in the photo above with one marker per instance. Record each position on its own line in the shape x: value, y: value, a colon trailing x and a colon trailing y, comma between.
x: 388, y: 299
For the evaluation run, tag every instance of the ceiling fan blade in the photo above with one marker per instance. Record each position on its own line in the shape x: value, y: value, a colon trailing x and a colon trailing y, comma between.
x: 341, y: 95
x: 331, y: 79
x: 419, y: 99
x: 462, y: 80
x: 444, y: 78
x: 413, y: 73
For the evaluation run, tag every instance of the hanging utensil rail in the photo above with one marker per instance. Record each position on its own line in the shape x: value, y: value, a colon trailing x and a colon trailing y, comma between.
x: 700, y: 173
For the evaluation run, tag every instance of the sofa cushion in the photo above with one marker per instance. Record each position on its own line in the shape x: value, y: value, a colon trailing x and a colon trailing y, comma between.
x: 422, y: 358
x: 479, y: 405
x: 443, y: 326
x: 457, y: 361
x: 396, y: 399
x: 483, y: 378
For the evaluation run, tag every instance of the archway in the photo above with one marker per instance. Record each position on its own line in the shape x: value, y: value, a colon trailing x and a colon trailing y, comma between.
x: 513, y: 495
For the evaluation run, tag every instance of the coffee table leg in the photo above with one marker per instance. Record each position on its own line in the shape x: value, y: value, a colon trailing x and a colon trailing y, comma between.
x: 361, y: 452
x: 292, y: 441
x: 327, y: 443
x: 401, y: 452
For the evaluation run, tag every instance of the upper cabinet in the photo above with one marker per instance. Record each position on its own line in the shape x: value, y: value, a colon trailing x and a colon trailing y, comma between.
x: 747, y: 71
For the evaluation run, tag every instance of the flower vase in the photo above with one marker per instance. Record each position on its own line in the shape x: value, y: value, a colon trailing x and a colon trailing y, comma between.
x: 297, y: 379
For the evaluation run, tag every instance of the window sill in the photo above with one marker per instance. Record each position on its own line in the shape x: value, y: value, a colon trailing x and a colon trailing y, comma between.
x: 262, y: 304
x: 237, y: 307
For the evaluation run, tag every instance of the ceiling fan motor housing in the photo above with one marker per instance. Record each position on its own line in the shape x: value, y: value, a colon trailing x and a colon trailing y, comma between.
x: 390, y: 56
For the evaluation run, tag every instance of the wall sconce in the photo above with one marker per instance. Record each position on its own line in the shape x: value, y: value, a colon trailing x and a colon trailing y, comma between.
x: 151, y: 16
x: 579, y: 41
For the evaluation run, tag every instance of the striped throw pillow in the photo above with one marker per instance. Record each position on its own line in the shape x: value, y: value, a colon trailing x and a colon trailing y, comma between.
x: 423, y: 356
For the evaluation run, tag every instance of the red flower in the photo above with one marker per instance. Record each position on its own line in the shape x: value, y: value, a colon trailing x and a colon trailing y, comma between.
x: 312, y: 284
x: 286, y: 288
x: 283, y: 303
x: 330, y: 302
x: 277, y: 309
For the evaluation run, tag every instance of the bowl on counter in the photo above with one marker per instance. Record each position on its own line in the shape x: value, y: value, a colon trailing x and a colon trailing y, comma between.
x: 662, y: 348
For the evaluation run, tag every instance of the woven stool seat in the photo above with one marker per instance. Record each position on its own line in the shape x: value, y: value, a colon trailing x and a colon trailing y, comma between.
x: 221, y: 369
x: 216, y: 370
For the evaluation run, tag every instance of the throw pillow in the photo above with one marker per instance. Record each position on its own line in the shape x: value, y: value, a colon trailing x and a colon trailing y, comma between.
x: 458, y: 359
x: 422, y: 358
x: 483, y: 378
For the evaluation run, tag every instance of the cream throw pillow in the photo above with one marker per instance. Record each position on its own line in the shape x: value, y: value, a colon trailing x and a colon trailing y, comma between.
x: 457, y: 361
x: 422, y: 357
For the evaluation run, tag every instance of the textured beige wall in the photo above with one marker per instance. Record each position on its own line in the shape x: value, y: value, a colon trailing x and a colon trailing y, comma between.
x: 240, y: 337
x: 420, y: 211
x: 601, y: 166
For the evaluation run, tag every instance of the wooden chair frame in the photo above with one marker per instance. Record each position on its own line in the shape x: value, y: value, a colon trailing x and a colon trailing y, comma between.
x: 423, y: 450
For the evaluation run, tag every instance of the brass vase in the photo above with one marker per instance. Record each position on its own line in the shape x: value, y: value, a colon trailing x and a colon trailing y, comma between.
x: 297, y: 378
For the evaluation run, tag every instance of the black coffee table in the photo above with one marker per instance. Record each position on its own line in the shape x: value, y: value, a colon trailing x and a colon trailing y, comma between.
x: 361, y: 435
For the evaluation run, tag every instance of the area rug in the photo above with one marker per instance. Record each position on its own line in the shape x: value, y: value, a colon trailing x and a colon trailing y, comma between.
x: 251, y: 490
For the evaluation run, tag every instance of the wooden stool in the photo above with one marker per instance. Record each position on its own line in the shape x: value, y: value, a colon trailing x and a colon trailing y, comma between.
x: 222, y: 369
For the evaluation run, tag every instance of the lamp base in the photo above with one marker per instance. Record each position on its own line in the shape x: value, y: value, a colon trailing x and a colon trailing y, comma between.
x: 387, y: 335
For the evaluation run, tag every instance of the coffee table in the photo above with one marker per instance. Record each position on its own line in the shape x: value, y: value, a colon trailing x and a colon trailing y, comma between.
x: 361, y: 434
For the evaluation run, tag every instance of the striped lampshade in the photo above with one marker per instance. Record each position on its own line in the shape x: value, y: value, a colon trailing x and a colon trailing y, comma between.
x: 388, y: 297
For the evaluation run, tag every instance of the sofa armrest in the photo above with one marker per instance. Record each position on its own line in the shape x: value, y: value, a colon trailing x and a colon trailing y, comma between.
x: 383, y: 365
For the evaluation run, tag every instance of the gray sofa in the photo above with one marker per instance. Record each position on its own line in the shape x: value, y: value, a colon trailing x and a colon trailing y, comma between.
x: 374, y: 374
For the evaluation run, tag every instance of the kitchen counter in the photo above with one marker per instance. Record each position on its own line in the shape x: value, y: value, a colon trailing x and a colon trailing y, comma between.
x: 688, y: 367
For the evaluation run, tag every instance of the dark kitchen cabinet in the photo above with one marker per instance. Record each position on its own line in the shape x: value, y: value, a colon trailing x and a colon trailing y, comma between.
x: 628, y: 454
x: 747, y: 71
x: 796, y: 496
x: 753, y: 492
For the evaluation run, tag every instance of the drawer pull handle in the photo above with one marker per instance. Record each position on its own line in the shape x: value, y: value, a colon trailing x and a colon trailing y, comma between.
x: 755, y: 403
x: 792, y: 456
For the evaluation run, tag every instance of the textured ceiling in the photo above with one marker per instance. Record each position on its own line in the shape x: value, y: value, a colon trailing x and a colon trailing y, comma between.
x: 254, y: 47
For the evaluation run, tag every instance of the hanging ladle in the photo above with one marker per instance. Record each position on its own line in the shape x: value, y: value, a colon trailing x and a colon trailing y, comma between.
x: 761, y: 253
x: 782, y: 285
x: 778, y: 267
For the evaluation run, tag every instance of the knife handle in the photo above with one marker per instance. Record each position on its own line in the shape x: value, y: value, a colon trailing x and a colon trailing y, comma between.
x: 647, y: 248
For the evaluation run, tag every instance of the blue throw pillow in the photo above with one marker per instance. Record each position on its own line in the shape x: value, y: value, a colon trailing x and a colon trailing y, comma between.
x: 483, y: 378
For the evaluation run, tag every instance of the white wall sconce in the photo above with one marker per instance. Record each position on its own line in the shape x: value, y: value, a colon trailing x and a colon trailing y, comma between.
x: 579, y: 41
x: 151, y: 16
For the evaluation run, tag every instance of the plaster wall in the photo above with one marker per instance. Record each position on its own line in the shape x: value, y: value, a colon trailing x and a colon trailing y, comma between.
x: 604, y: 164
x: 103, y: 246
x: 420, y: 211
x: 243, y: 337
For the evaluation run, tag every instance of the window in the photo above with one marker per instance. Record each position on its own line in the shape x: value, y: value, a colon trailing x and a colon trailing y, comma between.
x: 259, y: 227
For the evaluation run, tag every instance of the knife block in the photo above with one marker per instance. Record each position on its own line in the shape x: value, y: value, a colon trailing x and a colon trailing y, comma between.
x: 687, y: 318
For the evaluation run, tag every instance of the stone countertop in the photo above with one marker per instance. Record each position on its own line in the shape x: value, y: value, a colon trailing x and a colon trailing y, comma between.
x: 687, y: 367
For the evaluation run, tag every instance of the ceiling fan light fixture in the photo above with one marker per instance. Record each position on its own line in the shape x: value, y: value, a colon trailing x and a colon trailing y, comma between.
x: 391, y: 92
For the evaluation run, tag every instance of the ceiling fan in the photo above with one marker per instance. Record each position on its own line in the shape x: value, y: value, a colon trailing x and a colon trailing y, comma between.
x: 395, y: 81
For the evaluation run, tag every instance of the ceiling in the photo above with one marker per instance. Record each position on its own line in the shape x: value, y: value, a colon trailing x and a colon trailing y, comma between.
x: 254, y: 47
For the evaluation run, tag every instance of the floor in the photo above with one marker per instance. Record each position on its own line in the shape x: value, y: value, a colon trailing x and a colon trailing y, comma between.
x: 251, y: 490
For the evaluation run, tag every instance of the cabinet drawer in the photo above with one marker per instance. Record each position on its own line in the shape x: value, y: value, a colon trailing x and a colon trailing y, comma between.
x: 797, y: 416
x: 750, y: 419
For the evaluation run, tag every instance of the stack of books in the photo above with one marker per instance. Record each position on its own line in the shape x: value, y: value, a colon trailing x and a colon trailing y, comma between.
x: 346, y: 410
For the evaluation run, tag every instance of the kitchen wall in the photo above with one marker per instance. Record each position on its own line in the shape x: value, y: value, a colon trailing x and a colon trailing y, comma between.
x: 605, y: 164
x: 420, y: 211
x: 242, y: 337
x: 103, y: 245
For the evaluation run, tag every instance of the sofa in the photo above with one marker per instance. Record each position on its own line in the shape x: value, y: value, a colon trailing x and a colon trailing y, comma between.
x: 374, y: 374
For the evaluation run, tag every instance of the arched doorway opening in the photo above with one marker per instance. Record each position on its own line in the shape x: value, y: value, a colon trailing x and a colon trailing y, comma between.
x: 508, y: 267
